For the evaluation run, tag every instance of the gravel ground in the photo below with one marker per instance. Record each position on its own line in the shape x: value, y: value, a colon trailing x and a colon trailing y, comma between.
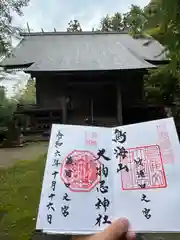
x: 9, y: 156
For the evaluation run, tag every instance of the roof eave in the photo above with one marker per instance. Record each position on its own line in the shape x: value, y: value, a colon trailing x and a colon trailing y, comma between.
x: 85, y: 71
x: 158, y: 62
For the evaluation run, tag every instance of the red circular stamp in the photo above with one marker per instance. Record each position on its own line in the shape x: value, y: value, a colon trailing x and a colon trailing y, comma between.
x: 79, y: 171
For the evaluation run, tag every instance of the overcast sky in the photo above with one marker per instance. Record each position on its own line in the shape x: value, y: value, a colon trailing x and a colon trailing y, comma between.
x: 49, y: 14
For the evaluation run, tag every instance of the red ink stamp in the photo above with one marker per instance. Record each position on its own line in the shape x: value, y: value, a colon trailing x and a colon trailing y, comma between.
x: 145, y: 169
x: 165, y: 144
x: 79, y: 171
x: 90, y: 138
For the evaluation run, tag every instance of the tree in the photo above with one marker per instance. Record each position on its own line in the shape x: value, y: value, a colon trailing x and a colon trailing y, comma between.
x: 153, y: 12
x: 154, y: 24
x: 171, y: 26
x: 28, y: 95
x: 105, y: 24
x: 166, y: 19
x: 164, y: 82
x: 74, y: 26
x: 111, y: 23
x: 117, y: 24
x: 135, y: 20
x: 7, y: 107
x: 161, y: 20
x: 7, y: 7
x: 138, y: 21
x: 2, y: 74
x: 162, y: 86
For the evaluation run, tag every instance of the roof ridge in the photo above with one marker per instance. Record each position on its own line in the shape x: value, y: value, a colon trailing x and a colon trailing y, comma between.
x: 69, y: 33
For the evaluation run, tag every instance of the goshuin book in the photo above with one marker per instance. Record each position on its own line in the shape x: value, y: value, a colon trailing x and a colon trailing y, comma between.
x: 94, y: 175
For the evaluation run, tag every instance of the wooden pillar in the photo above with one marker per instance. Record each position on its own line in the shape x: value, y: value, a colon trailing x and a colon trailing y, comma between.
x: 119, y: 104
x: 38, y: 89
x: 64, y: 110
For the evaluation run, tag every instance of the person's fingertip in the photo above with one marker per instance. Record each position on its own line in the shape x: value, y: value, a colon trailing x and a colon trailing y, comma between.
x: 130, y: 235
x: 123, y: 222
x: 118, y: 228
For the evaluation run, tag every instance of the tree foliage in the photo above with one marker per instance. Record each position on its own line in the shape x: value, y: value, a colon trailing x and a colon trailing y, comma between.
x: 162, y: 86
x: 171, y: 26
x: 163, y: 83
x: 74, y: 26
x: 28, y: 94
x: 161, y: 20
x: 135, y: 20
x: 167, y: 20
x: 7, y: 8
x: 111, y: 23
x: 7, y: 107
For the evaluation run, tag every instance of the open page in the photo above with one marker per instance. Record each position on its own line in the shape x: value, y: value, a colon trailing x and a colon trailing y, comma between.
x: 77, y: 187
x: 147, y: 175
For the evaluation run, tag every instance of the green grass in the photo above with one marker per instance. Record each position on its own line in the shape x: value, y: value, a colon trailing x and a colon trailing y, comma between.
x: 20, y: 188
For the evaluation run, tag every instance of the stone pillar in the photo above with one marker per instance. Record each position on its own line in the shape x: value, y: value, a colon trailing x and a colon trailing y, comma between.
x: 119, y: 104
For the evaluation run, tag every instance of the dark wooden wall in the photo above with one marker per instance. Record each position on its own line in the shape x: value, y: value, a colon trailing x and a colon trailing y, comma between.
x: 132, y: 87
x: 79, y: 91
x: 49, y: 91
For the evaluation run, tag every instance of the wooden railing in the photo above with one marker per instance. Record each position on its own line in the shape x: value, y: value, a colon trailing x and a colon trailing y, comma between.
x: 97, y: 121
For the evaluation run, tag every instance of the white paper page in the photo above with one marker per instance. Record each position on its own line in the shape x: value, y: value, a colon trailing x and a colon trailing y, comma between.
x: 76, y: 206
x: 148, y: 192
